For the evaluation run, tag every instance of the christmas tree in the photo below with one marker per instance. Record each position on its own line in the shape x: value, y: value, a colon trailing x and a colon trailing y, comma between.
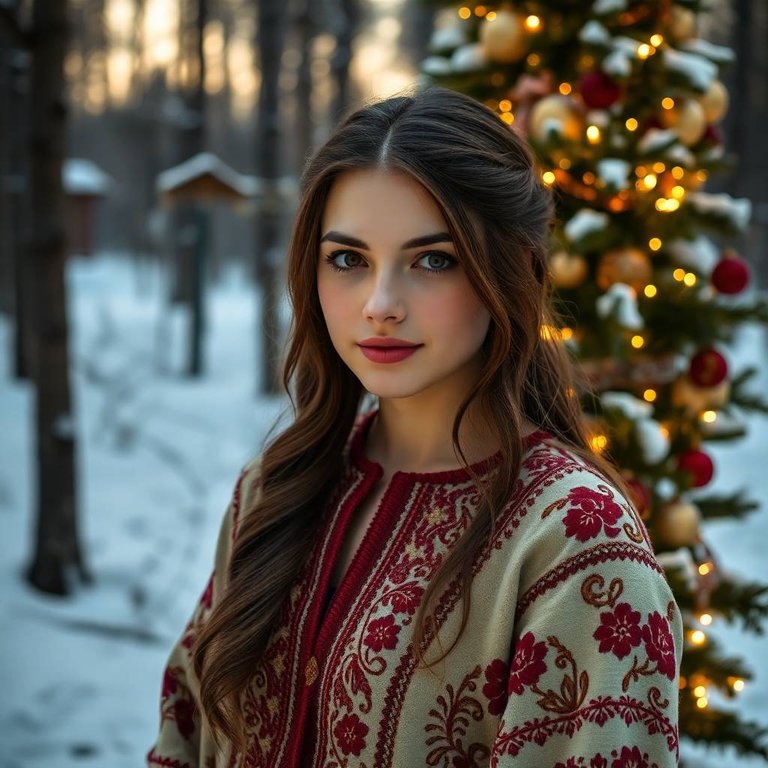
x: 621, y: 102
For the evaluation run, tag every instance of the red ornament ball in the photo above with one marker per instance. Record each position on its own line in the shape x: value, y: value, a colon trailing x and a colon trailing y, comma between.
x: 712, y: 135
x: 641, y: 495
x: 698, y: 464
x: 598, y: 90
x: 708, y: 368
x: 730, y: 275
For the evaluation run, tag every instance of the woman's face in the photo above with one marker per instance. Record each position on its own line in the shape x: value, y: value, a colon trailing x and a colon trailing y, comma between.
x: 388, y: 273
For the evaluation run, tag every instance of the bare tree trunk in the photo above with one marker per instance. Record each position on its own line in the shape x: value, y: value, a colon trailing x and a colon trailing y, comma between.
x: 198, y: 262
x: 306, y: 25
x: 271, y: 24
x: 57, y: 559
x: 348, y: 21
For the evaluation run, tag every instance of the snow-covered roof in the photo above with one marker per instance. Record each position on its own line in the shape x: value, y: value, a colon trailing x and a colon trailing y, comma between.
x: 202, y: 164
x: 208, y: 164
x: 84, y: 177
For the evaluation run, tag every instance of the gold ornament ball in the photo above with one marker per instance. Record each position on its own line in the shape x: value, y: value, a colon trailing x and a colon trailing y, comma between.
x: 559, y: 112
x: 687, y: 120
x: 567, y: 270
x: 714, y: 102
x: 624, y: 265
x: 682, y: 23
x: 685, y: 394
x: 504, y: 37
x: 677, y: 524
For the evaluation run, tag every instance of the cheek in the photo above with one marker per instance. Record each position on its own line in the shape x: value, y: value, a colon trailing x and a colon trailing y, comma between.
x: 460, y: 316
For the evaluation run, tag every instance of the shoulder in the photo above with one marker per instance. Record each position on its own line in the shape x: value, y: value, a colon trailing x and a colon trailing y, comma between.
x: 246, y: 493
x: 572, y: 514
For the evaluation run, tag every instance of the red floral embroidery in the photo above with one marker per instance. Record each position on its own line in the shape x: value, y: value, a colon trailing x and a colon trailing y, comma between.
x: 350, y: 732
x: 528, y: 665
x: 382, y: 633
x: 169, y: 684
x: 631, y: 758
x: 619, y: 631
x: 495, y: 689
x: 659, y: 644
x: 405, y: 599
x: 183, y: 712
x: 590, y: 512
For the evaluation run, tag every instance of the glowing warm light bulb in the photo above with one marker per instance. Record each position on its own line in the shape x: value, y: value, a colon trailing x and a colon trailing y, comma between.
x: 631, y: 124
x: 565, y: 89
x: 650, y: 290
x: 566, y: 333
x: 702, y: 703
x: 668, y: 102
x: 649, y: 395
x: 548, y: 178
x: 593, y: 134
x: 689, y: 279
x: 532, y: 23
x: 644, y: 50
x: 678, y: 192
x: 679, y: 274
x: 678, y: 172
x: 705, y: 619
x: 738, y: 685
x: 659, y: 167
x: 649, y: 180
x: 698, y: 637
x: 664, y: 431
x: 699, y: 691
x: 657, y: 40
x: 704, y: 569
x: 598, y: 443
x: 637, y: 341
x: 505, y: 105
x: 464, y: 12
x: 565, y: 163
x: 654, y: 243
x: 481, y: 10
x: 588, y: 178
x: 508, y: 117
x: 709, y: 416
x: 533, y: 59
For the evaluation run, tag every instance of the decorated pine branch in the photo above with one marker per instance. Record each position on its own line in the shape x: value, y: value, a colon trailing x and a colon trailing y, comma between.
x: 622, y: 102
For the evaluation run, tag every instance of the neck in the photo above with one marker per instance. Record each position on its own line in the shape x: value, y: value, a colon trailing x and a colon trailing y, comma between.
x: 420, y: 439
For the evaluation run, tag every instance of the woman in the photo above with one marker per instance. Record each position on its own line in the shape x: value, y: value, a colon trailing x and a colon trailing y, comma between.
x: 451, y: 578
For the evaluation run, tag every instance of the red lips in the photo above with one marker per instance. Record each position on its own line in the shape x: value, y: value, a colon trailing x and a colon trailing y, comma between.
x: 387, y: 350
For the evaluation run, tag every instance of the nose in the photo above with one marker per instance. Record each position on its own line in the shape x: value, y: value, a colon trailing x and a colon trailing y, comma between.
x: 384, y: 302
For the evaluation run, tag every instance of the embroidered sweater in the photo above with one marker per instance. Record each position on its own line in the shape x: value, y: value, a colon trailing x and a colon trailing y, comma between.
x: 570, y: 656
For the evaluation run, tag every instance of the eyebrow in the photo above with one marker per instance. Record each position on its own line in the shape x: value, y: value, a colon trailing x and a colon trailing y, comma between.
x: 416, y: 242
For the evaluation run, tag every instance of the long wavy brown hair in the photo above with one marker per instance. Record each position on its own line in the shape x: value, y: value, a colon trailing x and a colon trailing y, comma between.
x: 483, y: 177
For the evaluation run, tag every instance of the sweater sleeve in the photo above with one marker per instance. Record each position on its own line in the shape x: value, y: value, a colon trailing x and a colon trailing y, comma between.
x: 184, y: 740
x: 594, y: 664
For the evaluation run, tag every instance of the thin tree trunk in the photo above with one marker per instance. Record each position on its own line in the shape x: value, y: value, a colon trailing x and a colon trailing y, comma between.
x: 57, y: 558
x: 342, y: 56
x: 271, y: 32
x: 306, y: 26
x: 199, y: 260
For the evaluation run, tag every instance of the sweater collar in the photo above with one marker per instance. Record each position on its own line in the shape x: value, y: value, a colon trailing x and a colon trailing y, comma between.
x: 460, y: 474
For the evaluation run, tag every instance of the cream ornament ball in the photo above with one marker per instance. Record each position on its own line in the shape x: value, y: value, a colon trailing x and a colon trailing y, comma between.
x: 624, y: 265
x: 687, y: 120
x: 559, y: 114
x: 714, y: 102
x: 685, y: 394
x: 504, y: 37
x: 677, y: 524
x: 682, y: 23
x: 567, y: 270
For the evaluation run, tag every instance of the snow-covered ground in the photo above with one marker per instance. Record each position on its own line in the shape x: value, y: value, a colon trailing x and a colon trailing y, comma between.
x: 158, y: 456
